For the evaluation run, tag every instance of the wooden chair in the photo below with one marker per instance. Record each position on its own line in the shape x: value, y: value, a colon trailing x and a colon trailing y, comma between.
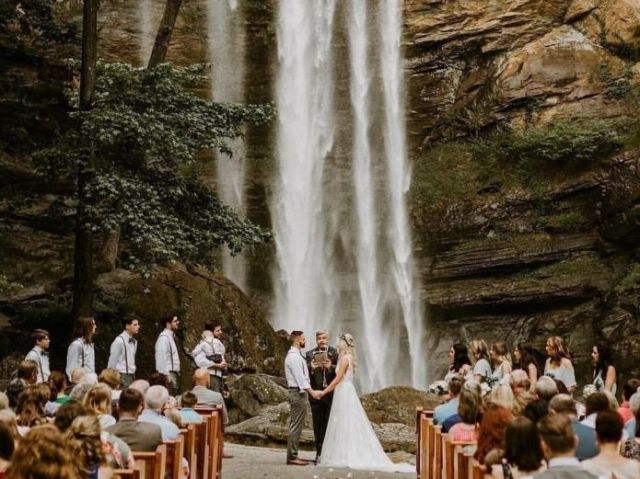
x: 477, y: 470
x: 462, y: 462
x: 202, y: 450
x: 205, y: 410
x: 448, y: 456
x: 151, y: 464
x: 126, y: 474
x: 189, y: 437
x: 216, y: 443
x: 424, y: 451
x: 175, y: 452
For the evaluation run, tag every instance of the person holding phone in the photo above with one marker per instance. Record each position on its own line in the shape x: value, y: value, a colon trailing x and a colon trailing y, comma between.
x: 322, y: 361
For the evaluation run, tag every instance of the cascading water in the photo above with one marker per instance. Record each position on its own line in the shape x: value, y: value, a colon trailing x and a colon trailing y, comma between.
x: 226, y: 52
x: 399, y: 181
x: 304, y: 280
x: 367, y: 254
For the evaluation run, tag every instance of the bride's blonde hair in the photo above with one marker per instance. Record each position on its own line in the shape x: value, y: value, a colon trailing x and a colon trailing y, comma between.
x: 347, y: 345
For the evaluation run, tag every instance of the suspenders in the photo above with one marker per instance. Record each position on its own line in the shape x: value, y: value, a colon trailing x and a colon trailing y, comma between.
x: 126, y: 359
x: 170, y: 352
x: 39, y: 364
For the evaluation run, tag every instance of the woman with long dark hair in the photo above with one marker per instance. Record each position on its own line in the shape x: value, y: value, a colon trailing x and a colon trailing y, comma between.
x: 523, y: 454
x: 530, y: 360
x: 460, y: 362
x: 604, y: 375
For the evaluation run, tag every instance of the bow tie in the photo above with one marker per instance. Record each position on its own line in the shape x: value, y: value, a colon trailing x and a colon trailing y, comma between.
x: 132, y: 341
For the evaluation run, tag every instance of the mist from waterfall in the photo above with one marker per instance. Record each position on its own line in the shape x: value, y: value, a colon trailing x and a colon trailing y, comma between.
x: 399, y: 181
x: 226, y: 52
x: 304, y: 280
x: 367, y: 254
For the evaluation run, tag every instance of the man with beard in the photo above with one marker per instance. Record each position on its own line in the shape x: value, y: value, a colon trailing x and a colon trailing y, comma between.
x: 322, y: 361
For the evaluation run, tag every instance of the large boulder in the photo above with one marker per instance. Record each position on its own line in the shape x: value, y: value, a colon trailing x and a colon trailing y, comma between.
x: 253, y: 393
x: 397, y: 404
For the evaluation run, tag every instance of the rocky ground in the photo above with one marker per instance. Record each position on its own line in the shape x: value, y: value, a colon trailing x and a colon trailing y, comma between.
x: 267, y: 463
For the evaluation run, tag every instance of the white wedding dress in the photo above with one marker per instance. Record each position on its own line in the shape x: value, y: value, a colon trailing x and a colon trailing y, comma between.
x: 350, y: 440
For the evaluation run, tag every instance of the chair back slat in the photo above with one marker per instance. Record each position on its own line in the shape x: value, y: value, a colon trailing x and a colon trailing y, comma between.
x: 189, y: 437
x: 436, y: 465
x: 448, y: 456
x: 126, y: 474
x: 216, y: 443
x: 202, y: 450
x: 175, y: 452
x: 151, y: 464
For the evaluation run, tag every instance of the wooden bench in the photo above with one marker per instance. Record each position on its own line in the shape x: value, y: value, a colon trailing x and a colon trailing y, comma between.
x: 189, y: 437
x: 424, y: 451
x: 449, y: 451
x: 175, y: 453
x: 126, y: 474
x: 151, y: 464
x: 216, y: 443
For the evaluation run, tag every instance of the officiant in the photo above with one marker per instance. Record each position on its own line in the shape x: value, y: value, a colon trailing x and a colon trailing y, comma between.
x: 322, y: 361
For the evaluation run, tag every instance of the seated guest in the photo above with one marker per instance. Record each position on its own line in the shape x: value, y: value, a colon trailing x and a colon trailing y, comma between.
x: 565, y: 405
x: 609, y: 463
x: 448, y: 409
x: 7, y: 446
x: 25, y: 376
x: 207, y: 397
x: 8, y: 418
x: 629, y: 388
x: 76, y: 376
x: 634, y: 404
x: 4, y: 401
x: 140, y: 436
x: 536, y: 410
x: 502, y: 395
x: 187, y: 414
x: 111, y: 377
x: 98, y: 402
x: 58, y: 384
x: 141, y: 385
x: 523, y: 457
x: 491, y: 434
x: 631, y: 447
x: 469, y: 412
x: 54, y: 460
x: 558, y: 444
x: 155, y: 400
x: 595, y: 403
x: 545, y: 388
x: 83, y: 440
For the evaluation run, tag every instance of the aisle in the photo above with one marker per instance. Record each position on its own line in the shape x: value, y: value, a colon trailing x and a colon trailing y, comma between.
x: 251, y: 462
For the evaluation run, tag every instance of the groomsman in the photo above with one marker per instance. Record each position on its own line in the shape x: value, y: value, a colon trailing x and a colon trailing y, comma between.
x: 122, y: 355
x: 40, y: 354
x: 167, y: 358
x: 322, y: 361
x: 209, y: 354
x: 80, y: 353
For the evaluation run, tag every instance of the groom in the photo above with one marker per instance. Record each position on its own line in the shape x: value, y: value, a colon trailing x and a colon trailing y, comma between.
x: 295, y: 370
x: 322, y: 361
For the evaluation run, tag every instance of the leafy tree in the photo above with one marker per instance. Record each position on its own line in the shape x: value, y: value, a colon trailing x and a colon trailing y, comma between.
x: 144, y: 128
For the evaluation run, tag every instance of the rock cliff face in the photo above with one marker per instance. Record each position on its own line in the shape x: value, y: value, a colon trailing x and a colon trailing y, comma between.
x: 498, y: 261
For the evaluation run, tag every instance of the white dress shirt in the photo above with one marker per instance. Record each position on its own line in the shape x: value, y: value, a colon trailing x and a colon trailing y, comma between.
x: 167, y: 358
x: 122, y: 355
x: 80, y: 354
x: 204, y: 350
x: 295, y: 370
x: 41, y: 358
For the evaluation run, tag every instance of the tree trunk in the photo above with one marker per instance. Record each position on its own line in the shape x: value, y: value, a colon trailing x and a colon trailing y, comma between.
x: 168, y: 23
x: 83, y: 254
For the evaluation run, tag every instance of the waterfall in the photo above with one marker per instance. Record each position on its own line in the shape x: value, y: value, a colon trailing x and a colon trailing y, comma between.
x: 226, y: 53
x: 304, y: 280
x: 367, y: 254
x: 399, y: 181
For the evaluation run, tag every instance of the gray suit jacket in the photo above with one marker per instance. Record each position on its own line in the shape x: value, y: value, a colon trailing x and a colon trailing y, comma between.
x: 140, y: 436
x: 207, y: 397
x: 566, y: 472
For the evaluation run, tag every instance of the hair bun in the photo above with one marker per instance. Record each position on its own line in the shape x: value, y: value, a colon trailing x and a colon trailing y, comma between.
x: 347, y: 338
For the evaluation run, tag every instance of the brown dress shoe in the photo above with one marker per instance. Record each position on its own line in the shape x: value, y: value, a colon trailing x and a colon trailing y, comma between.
x: 297, y: 462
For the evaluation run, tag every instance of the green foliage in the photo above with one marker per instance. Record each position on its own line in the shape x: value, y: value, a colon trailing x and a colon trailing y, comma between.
x: 8, y: 286
x: 145, y: 126
x: 584, y: 265
x: 618, y: 87
x: 28, y: 21
x: 631, y: 280
x: 569, y: 222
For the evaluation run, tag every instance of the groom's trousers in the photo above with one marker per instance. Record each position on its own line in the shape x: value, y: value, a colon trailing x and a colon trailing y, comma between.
x: 298, y: 401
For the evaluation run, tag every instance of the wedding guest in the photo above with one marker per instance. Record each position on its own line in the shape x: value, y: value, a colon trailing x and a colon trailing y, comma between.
x: 205, y: 395
x: 166, y: 353
x: 81, y: 352
x: 480, y: 359
x: 545, y: 388
x: 155, y: 400
x: 491, y: 435
x: 98, y: 401
x: 631, y: 447
x: 122, y: 354
x: 39, y: 354
x: 188, y: 400
x: 502, y: 395
x: 629, y: 388
x: 55, y: 461
x: 140, y: 436
x: 7, y: 446
x: 83, y: 440
x: 604, y: 375
x: 558, y: 364
x: 523, y: 457
x: 559, y: 444
x: 521, y: 387
x: 595, y: 403
x: 218, y: 364
x: 529, y: 360
x: 58, y: 384
x: 609, y: 463
x: 10, y: 421
x: 29, y: 411
x: 634, y: 404
x: 77, y: 374
x: 499, y: 357
x: 469, y: 411
x: 140, y: 385
x: 565, y: 405
x: 444, y: 411
x: 173, y: 415
x: 536, y: 410
x: 26, y: 375
x: 111, y: 378
x: 460, y: 362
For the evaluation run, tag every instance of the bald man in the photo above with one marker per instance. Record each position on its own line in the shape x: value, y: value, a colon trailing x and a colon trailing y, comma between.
x: 207, y: 397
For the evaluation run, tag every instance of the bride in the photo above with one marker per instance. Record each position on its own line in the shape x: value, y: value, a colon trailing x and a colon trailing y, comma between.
x: 350, y: 440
